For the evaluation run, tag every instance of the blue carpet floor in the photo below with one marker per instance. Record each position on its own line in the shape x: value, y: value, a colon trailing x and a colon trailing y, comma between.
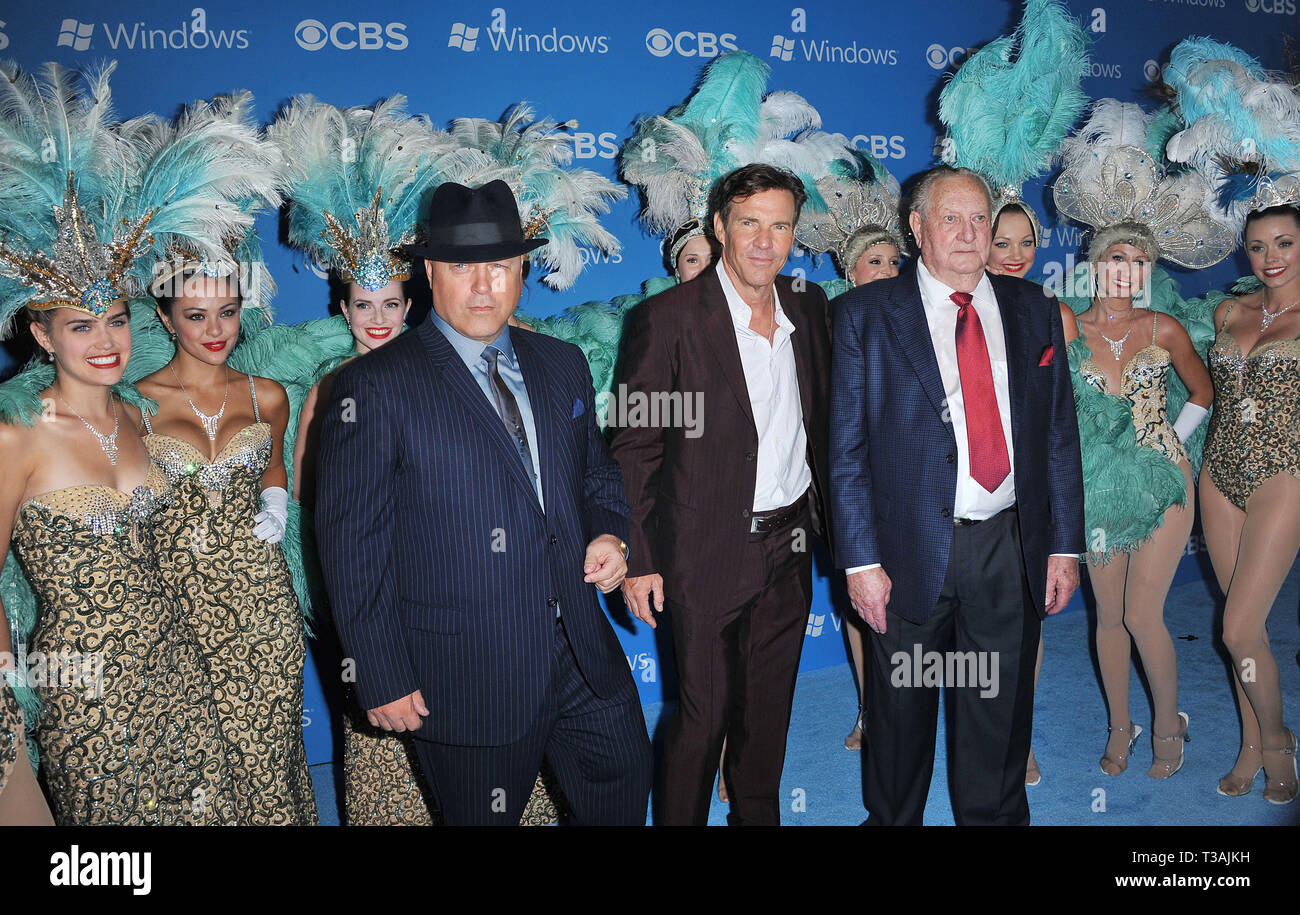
x: 822, y: 782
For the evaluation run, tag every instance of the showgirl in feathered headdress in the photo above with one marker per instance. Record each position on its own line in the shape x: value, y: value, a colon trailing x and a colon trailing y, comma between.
x: 1243, y: 130
x: 1140, y: 424
x: 1007, y: 110
x: 101, y: 211
x: 861, y: 220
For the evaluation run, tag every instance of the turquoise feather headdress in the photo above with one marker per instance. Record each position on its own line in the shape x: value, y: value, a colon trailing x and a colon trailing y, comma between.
x: 727, y: 122
x: 65, y: 174
x: 357, y: 179
x: 859, y: 213
x: 1012, y: 103
x: 1242, y: 127
x: 133, y: 201
x: 555, y: 200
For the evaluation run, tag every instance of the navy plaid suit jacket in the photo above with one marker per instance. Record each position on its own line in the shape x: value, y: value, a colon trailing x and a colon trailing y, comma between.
x: 443, y: 571
x: 893, y: 453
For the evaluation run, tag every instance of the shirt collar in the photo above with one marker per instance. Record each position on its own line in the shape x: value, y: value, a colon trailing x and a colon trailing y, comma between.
x: 469, y: 349
x: 741, y: 313
x: 935, y: 290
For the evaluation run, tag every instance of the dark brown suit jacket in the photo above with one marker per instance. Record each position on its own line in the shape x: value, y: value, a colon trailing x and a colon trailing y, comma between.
x: 691, y: 498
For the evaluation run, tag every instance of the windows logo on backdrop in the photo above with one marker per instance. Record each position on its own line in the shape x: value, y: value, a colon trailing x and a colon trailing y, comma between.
x: 782, y: 47
x: 463, y: 36
x: 76, y: 35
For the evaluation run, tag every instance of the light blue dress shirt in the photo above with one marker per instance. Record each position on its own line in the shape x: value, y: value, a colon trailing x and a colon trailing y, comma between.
x: 471, y: 352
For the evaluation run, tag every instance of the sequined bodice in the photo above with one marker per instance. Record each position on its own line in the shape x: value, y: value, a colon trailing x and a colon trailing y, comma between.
x: 1255, y: 427
x: 244, y: 458
x: 86, y: 513
x: 1143, y: 382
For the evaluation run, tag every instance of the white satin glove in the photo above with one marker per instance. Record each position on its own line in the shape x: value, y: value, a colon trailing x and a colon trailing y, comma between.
x: 1189, y: 419
x: 274, y: 516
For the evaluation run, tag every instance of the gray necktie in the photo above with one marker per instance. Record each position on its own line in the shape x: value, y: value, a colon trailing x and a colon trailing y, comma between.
x: 508, y: 409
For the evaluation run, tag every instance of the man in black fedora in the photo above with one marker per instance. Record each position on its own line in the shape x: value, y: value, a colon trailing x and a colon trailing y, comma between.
x: 467, y: 512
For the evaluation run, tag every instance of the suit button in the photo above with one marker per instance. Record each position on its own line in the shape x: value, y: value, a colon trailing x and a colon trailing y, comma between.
x: 749, y: 455
x: 947, y: 512
x: 552, y: 601
x: 744, y: 513
x: 952, y: 458
x: 554, y: 539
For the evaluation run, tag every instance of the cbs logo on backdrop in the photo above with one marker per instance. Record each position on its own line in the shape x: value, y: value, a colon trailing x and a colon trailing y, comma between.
x: 313, y: 35
x: 661, y: 43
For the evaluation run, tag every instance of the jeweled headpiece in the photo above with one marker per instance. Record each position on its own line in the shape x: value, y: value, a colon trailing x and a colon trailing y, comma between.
x: 79, y: 272
x: 1242, y: 127
x: 356, y: 180
x: 859, y: 213
x: 556, y: 201
x: 68, y: 234
x: 1011, y: 103
x: 1111, y: 181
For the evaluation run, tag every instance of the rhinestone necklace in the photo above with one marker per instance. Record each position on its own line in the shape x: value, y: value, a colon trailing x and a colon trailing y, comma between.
x: 107, y: 442
x: 210, y: 423
x: 1267, y: 317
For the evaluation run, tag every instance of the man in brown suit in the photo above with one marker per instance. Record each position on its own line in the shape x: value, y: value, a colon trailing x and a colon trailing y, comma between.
x: 723, y: 509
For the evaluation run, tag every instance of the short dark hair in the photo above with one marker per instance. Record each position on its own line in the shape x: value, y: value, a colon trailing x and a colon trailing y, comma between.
x: 749, y: 180
x: 1283, y: 209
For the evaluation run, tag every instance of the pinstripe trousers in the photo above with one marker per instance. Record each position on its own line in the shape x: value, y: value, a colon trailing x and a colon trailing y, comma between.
x: 598, y: 749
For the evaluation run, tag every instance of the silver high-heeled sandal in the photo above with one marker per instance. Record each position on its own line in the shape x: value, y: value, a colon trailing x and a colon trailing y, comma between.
x: 1164, y: 768
x: 1134, y: 731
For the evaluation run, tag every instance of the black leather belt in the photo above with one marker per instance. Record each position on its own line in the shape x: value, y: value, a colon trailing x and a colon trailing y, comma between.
x: 970, y: 522
x: 762, y: 522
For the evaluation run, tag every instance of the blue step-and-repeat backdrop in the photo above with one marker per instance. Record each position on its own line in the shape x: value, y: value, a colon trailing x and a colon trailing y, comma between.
x: 873, y: 69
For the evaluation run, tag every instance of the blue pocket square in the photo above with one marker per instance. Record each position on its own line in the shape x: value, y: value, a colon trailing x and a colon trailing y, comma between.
x: 578, y: 407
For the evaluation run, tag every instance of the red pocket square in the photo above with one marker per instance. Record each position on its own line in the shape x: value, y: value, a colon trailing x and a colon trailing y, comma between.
x: 1048, y: 352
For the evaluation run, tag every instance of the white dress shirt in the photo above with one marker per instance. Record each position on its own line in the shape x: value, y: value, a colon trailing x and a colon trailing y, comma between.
x: 772, y: 380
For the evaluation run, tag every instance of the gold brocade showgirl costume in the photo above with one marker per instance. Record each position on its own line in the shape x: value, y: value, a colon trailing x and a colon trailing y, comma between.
x: 129, y: 733
x: 11, y: 720
x: 235, y: 590
x: 1255, y: 427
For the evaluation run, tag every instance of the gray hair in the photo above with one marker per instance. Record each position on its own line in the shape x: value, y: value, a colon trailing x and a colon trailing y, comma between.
x: 925, y: 187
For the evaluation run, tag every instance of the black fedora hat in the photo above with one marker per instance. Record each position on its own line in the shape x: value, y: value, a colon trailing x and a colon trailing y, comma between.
x: 473, y: 225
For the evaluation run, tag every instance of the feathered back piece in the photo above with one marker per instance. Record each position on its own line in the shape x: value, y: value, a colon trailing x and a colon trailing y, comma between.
x: 859, y: 212
x: 205, y: 176
x: 357, y: 181
x: 1114, y: 185
x: 1243, y: 127
x: 556, y: 201
x: 1012, y: 103
x: 64, y: 174
x: 676, y: 158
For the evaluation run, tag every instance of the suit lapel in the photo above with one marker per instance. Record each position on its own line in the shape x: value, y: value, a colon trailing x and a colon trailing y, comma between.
x: 542, y: 400
x: 802, y: 339
x: 717, y: 329
x: 907, y: 318
x: 462, y: 385
x: 1015, y: 320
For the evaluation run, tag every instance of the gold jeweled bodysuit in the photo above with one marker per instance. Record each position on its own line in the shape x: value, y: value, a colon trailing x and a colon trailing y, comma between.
x: 1255, y: 428
x: 237, y: 593
x: 1144, y: 383
x: 128, y: 732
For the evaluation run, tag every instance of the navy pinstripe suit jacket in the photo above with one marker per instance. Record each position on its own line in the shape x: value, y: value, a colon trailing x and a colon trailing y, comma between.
x: 443, y: 571
x: 894, y: 456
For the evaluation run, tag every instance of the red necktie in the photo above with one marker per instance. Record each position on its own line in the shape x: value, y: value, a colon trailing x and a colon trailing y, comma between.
x: 985, y: 442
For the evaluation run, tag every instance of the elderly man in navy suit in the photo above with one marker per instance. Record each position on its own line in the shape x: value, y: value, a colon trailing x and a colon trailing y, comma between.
x: 956, y: 504
x: 467, y: 506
